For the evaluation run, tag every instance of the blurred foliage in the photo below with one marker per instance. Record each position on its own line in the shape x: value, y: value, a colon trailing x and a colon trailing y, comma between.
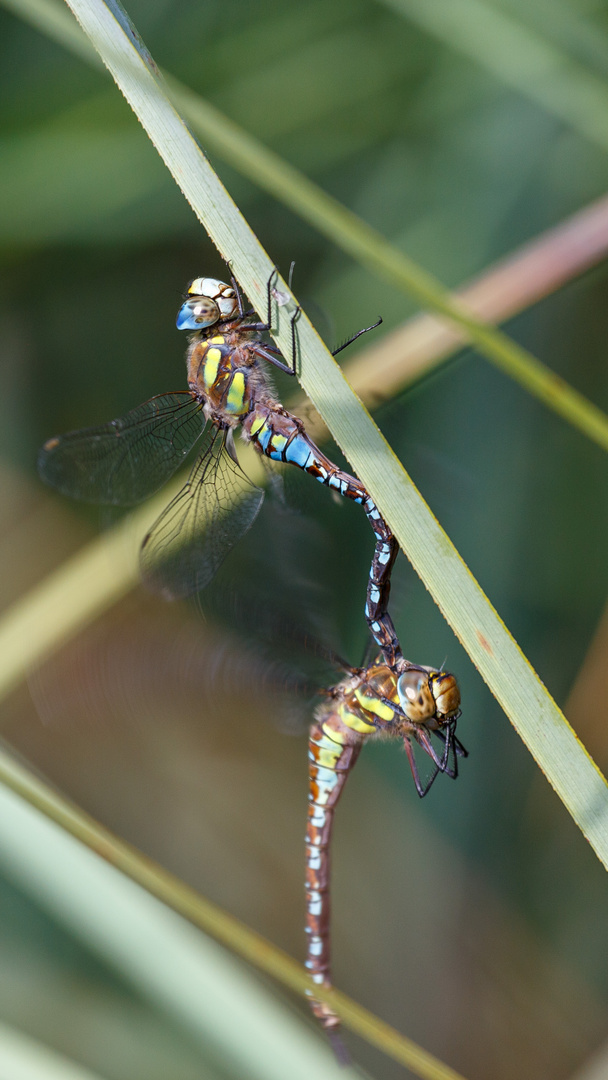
x: 475, y: 920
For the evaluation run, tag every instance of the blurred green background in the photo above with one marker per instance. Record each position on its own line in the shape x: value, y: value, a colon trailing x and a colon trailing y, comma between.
x: 473, y: 921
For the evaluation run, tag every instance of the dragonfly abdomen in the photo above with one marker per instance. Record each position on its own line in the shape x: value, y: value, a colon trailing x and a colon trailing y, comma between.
x: 282, y: 437
x: 333, y: 750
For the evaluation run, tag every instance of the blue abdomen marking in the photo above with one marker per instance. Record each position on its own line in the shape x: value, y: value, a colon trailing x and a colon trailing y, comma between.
x: 299, y: 453
x: 264, y: 437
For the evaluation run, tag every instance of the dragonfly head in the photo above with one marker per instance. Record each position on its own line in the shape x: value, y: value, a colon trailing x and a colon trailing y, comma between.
x: 428, y: 697
x: 209, y: 301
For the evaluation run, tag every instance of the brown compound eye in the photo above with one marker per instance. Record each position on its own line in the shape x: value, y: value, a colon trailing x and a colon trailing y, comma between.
x: 204, y: 310
x: 415, y: 696
x: 446, y: 693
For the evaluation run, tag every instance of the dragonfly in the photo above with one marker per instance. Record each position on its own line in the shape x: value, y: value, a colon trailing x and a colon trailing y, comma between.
x: 416, y: 704
x: 126, y: 460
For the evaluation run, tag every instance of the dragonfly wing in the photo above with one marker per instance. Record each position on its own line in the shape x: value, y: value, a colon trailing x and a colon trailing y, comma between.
x: 190, y: 540
x: 127, y: 460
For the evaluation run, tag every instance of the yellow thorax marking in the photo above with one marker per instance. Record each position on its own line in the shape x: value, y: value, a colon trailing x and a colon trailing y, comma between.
x: 354, y: 722
x: 357, y: 724
x: 219, y: 339
x: 236, y: 393
x: 212, y: 362
x: 374, y: 705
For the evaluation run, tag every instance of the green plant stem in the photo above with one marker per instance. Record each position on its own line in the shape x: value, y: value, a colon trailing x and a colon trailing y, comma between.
x: 354, y: 236
x: 210, y: 918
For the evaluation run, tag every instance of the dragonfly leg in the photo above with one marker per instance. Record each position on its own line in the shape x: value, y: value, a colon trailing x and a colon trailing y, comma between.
x: 265, y: 352
x: 269, y: 284
x: 422, y: 789
x: 365, y: 330
x: 239, y: 297
x: 294, y: 340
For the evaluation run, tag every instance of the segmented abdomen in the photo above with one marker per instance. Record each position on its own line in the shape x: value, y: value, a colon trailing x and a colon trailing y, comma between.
x: 282, y: 437
x: 334, y: 744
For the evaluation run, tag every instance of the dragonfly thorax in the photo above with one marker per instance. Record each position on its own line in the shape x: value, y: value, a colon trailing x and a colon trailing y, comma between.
x: 380, y: 683
x: 225, y: 375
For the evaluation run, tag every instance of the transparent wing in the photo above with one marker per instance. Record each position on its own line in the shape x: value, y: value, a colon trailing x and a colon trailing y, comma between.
x: 127, y: 460
x: 190, y: 540
x: 370, y: 653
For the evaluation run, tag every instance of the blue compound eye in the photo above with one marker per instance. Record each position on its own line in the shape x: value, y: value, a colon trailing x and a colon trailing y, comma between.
x: 198, y: 313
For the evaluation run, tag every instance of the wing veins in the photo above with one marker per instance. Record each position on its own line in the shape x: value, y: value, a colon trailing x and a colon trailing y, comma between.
x: 217, y: 505
x: 126, y: 460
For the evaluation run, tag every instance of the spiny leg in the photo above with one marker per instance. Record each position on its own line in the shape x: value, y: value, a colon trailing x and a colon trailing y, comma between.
x: 365, y: 330
x: 239, y: 297
x: 294, y: 319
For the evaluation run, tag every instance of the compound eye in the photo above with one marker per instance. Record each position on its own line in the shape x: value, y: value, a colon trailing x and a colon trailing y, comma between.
x: 218, y: 291
x: 198, y: 313
x: 415, y: 696
x: 446, y: 694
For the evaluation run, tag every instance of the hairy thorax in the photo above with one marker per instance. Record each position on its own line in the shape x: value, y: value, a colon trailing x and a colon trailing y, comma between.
x: 226, y: 376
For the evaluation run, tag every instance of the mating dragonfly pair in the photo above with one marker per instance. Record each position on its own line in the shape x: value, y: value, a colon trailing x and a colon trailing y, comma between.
x: 127, y: 460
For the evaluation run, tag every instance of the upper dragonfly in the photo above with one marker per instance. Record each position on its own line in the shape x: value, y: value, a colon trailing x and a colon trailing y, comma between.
x: 127, y: 460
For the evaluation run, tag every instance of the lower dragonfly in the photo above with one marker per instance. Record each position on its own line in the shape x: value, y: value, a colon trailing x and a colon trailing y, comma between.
x: 416, y: 704
x: 125, y: 461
